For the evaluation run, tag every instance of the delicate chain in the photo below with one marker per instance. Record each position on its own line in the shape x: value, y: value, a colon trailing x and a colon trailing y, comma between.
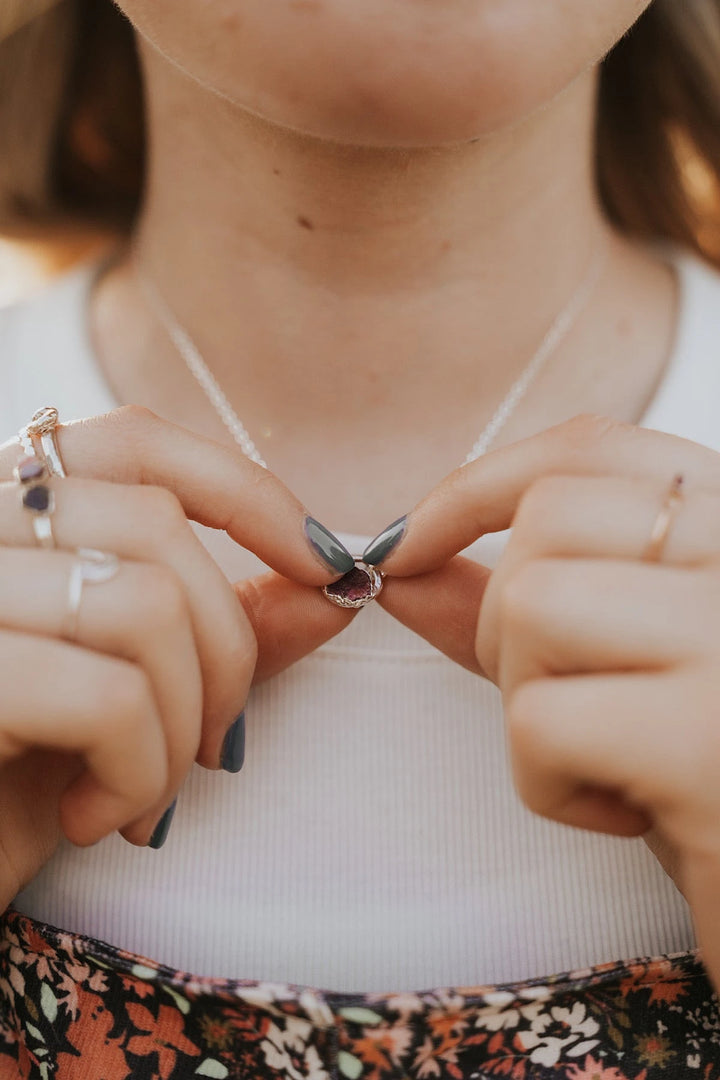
x: 197, y: 366
x: 550, y: 342
x: 192, y: 357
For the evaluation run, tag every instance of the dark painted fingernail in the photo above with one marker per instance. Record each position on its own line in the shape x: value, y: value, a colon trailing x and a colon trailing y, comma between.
x: 386, y: 541
x: 162, y: 828
x: 233, y: 749
x: 328, y: 547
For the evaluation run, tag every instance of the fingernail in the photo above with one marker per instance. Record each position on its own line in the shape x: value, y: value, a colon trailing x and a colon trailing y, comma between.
x: 328, y: 547
x: 162, y: 828
x: 385, y: 542
x: 233, y: 748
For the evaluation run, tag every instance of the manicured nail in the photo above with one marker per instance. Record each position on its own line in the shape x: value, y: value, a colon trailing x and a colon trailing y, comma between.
x: 233, y: 749
x: 162, y: 828
x: 328, y: 547
x: 379, y: 548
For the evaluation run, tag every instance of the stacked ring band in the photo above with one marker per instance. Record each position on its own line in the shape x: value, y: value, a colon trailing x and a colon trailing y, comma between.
x: 36, y: 497
x: 43, y: 461
x: 94, y: 567
x: 664, y: 520
x: 39, y: 438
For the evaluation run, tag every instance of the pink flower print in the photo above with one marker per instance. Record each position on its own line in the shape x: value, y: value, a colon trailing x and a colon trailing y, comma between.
x: 593, y: 1070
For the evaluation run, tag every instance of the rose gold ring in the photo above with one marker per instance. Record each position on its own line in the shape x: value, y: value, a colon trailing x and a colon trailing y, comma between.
x: 39, y: 438
x: 663, y: 522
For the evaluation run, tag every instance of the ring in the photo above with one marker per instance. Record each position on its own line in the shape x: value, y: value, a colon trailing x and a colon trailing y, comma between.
x: 356, y: 588
x: 664, y: 520
x: 94, y: 567
x: 36, y: 497
x: 39, y: 438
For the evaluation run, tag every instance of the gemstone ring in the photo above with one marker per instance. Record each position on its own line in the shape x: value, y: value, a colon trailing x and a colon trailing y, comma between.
x: 356, y: 588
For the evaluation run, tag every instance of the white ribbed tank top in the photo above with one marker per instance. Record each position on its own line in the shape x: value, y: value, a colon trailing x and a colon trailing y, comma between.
x: 373, y: 840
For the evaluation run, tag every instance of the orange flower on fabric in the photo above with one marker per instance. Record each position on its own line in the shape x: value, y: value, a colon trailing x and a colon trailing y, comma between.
x: 90, y: 1037
x: 165, y: 1036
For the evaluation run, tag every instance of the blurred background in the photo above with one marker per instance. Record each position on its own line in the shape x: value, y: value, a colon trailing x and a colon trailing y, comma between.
x: 28, y: 264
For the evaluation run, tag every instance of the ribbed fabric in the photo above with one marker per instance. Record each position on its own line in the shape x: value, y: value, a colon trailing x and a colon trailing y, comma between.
x: 373, y: 840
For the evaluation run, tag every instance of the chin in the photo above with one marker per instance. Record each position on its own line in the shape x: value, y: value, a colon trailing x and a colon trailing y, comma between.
x: 402, y: 104
x: 381, y: 73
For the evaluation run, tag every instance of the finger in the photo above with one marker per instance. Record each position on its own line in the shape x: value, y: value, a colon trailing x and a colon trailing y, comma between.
x: 668, y: 855
x: 612, y: 517
x: 99, y: 706
x: 442, y: 607
x: 482, y: 497
x: 560, y: 616
x: 147, y: 524
x: 701, y: 876
x: 141, y: 615
x: 289, y: 620
x: 216, y: 485
x: 606, y: 753
x: 596, y: 517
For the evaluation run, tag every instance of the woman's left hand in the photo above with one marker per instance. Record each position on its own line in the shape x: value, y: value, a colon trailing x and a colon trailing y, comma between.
x: 609, y: 664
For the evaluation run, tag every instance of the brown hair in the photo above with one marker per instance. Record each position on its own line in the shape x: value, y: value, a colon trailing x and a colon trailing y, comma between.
x: 72, y: 126
x: 71, y: 117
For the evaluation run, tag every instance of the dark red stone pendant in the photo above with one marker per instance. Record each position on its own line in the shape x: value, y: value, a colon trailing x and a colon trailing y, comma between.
x: 356, y: 588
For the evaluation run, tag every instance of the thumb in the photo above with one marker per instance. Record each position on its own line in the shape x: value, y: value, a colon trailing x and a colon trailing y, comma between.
x: 289, y: 620
x: 442, y: 606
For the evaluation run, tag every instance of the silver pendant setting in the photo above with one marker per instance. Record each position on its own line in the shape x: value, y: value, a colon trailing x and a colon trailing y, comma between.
x: 356, y: 588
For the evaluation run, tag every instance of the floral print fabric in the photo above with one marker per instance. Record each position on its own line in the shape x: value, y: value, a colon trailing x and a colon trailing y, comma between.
x: 73, y: 1008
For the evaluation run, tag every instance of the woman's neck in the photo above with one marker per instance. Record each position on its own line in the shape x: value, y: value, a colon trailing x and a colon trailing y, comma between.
x: 366, y: 299
x: 236, y: 207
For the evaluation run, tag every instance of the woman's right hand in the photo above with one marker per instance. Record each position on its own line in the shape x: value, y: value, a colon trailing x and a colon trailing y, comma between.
x: 98, y: 734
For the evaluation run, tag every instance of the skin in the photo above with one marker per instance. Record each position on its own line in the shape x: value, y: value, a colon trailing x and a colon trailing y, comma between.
x: 598, y: 653
x: 390, y: 179
x: 164, y: 657
x: 384, y: 258
x: 412, y: 75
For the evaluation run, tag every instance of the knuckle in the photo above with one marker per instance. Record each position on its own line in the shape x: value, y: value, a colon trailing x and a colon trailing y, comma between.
x: 135, y: 431
x: 541, y: 502
x: 134, y: 419
x: 526, y: 593
x: 128, y: 696
x: 239, y: 650
x: 524, y: 714
x: 589, y: 428
x: 584, y: 437
x: 149, y: 788
x: 254, y: 601
x: 132, y: 427
x: 255, y: 486
x: 165, y: 511
x: 161, y: 595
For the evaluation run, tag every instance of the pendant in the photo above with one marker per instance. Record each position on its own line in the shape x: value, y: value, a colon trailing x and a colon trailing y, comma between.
x: 356, y: 588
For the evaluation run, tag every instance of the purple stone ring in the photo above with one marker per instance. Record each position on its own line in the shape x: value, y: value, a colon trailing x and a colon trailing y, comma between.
x: 32, y: 476
x: 356, y: 588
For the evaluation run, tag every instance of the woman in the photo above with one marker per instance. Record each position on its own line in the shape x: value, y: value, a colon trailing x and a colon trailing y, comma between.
x: 368, y: 223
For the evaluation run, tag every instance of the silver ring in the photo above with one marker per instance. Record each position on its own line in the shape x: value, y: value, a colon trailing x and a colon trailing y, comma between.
x: 36, y: 497
x: 39, y: 437
x: 92, y: 566
x: 356, y: 588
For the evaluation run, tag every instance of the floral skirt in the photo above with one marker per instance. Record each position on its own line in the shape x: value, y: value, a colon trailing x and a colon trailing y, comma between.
x: 74, y: 1008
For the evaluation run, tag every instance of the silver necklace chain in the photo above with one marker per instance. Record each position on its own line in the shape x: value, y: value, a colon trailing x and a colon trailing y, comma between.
x: 190, y: 353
